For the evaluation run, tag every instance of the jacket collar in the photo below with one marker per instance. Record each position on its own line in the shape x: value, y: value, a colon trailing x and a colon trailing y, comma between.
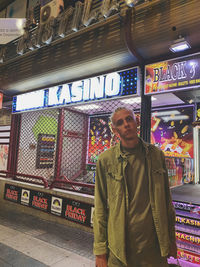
x: 120, y: 156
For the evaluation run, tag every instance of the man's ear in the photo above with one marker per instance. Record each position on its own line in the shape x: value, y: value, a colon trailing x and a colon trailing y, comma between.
x: 137, y: 119
x: 114, y: 130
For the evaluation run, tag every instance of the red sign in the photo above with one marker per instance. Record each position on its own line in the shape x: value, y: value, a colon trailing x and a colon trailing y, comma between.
x: 1, y: 100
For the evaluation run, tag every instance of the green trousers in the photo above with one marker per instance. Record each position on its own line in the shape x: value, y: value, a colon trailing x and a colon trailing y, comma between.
x: 149, y: 258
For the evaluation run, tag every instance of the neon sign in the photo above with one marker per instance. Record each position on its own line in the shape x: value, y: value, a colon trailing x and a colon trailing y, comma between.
x: 103, y: 87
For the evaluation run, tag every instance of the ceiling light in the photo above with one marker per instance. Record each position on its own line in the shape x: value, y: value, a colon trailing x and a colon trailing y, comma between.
x: 132, y: 3
x: 88, y: 107
x: 132, y: 100
x: 165, y: 113
x: 179, y: 45
x: 176, y: 118
x: 135, y: 100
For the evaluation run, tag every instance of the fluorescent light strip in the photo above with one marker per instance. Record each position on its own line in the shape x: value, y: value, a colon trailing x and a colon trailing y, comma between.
x: 88, y: 107
x: 135, y: 100
x: 180, y: 45
x: 165, y: 113
x: 176, y: 118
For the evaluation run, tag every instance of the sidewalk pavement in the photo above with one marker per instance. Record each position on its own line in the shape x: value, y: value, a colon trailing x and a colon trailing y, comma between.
x: 28, y: 241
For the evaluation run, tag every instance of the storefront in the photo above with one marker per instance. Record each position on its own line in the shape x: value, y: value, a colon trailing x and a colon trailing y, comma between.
x: 56, y: 137
x: 174, y: 128
x: 58, y: 133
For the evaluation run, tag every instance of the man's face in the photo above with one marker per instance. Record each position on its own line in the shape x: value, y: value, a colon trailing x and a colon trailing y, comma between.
x: 124, y: 125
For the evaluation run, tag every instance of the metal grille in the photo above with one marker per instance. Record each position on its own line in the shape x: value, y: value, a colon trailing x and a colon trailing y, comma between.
x: 74, y: 144
x: 37, y: 144
x: 83, y: 131
x: 98, y: 133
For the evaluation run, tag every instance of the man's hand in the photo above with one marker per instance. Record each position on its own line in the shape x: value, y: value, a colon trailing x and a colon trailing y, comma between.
x: 101, y: 261
x: 173, y: 250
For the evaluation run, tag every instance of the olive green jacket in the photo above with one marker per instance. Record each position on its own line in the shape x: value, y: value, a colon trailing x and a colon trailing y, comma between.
x: 111, y: 201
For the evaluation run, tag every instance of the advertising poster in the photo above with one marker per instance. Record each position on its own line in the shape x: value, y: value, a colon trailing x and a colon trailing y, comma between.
x: 78, y: 212
x: 100, y: 137
x: 91, y: 219
x: 3, y: 156
x: 72, y: 210
x: 45, y: 151
x: 40, y: 200
x: 172, y: 75
x: 25, y: 197
x: 56, y: 205
x: 12, y: 193
x: 172, y: 131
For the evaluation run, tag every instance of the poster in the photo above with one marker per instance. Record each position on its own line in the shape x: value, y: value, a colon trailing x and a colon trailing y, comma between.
x: 45, y: 151
x: 171, y: 130
x: 172, y: 75
x: 3, y: 156
x: 56, y: 205
x: 100, y: 137
x: 25, y: 197
x: 78, y: 212
x: 69, y: 209
x: 12, y: 193
x: 40, y: 200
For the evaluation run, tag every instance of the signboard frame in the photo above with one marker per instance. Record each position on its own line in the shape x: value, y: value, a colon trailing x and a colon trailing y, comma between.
x: 173, y: 75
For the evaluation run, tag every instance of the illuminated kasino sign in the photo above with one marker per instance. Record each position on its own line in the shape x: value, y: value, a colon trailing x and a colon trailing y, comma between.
x: 73, y: 19
x: 188, y: 221
x: 103, y: 87
x: 173, y: 75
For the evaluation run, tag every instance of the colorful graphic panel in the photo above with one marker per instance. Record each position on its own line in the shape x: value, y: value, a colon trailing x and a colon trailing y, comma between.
x: 3, y: 156
x: 100, y: 137
x: 180, y: 170
x: 171, y: 130
x: 172, y: 75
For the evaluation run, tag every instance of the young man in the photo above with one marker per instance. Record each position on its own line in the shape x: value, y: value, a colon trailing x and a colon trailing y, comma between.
x: 134, y: 217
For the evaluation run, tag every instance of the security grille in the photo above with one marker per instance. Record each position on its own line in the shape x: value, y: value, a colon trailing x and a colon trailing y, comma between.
x: 99, y: 135
x: 37, y: 143
x: 67, y: 146
x: 74, y: 144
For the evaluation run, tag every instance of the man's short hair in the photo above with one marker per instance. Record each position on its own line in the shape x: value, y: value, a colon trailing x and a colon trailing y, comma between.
x: 119, y: 109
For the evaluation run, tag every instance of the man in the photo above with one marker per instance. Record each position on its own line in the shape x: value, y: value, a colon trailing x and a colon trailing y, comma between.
x: 134, y: 218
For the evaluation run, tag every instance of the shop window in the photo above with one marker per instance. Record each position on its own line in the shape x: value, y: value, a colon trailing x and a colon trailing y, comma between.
x: 172, y: 131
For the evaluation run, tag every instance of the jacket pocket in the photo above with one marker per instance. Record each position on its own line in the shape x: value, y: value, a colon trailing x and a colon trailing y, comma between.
x: 158, y: 172
x: 115, y: 186
x: 158, y: 177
